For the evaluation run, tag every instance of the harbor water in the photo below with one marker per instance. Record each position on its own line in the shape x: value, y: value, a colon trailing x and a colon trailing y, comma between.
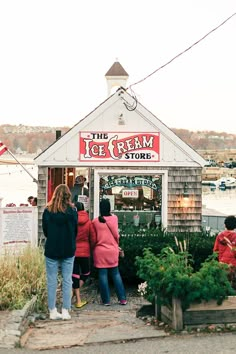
x: 223, y: 201
x: 16, y: 185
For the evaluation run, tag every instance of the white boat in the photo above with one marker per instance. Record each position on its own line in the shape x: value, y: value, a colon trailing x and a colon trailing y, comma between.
x: 222, y: 183
x: 227, y: 182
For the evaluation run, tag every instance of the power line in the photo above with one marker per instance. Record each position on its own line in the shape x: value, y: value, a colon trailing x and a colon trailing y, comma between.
x: 178, y: 55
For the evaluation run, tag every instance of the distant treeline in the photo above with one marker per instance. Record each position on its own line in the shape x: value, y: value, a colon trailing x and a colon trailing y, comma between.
x: 21, y: 138
x: 33, y: 140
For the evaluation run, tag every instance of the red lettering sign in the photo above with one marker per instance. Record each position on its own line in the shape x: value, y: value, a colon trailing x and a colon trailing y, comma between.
x: 124, y: 147
x: 130, y: 193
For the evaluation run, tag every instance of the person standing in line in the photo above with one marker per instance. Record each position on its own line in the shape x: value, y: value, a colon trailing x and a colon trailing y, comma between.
x: 79, y: 189
x: 105, y: 246
x: 225, y: 246
x: 81, y: 270
x: 60, y: 229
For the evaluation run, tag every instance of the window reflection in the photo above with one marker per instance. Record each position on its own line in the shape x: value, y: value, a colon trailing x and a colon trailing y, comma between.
x: 138, y: 194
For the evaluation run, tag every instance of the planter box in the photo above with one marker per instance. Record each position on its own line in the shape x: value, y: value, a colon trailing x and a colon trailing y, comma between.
x: 199, y: 314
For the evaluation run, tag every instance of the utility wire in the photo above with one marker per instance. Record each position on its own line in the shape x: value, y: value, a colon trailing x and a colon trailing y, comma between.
x: 178, y: 55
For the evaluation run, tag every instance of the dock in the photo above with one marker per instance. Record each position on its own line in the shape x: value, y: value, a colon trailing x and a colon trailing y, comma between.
x: 23, y: 159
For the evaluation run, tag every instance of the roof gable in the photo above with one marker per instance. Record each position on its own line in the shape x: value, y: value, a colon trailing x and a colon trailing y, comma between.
x: 120, y: 114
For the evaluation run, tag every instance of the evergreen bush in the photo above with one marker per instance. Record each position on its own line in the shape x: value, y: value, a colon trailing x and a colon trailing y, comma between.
x: 170, y: 274
x: 134, y: 240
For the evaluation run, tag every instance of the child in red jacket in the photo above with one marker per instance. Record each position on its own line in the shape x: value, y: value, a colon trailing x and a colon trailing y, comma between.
x: 225, y: 246
x: 225, y: 243
x: 81, y: 269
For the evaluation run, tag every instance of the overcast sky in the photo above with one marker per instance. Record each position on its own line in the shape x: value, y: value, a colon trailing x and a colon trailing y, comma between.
x: 54, y: 55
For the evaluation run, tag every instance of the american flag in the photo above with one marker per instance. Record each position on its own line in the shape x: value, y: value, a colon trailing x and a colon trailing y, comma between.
x: 3, y: 148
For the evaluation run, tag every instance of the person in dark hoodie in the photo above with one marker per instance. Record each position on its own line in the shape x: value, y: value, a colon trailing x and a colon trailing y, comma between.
x: 81, y: 270
x: 79, y: 189
x: 59, y: 224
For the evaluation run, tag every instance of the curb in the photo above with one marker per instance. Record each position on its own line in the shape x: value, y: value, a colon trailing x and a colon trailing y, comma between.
x: 16, y: 325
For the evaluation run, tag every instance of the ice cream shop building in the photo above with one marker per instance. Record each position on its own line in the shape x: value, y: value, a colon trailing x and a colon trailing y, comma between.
x: 127, y: 154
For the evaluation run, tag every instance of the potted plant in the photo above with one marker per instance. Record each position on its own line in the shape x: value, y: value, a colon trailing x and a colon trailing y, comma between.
x: 170, y: 278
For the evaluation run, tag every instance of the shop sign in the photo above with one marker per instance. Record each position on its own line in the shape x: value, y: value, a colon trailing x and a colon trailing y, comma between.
x: 130, y: 193
x: 122, y: 147
x: 129, y: 182
x: 19, y: 228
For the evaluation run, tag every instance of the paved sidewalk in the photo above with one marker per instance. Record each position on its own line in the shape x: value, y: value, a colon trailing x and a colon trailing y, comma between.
x: 13, y: 324
x: 92, y: 324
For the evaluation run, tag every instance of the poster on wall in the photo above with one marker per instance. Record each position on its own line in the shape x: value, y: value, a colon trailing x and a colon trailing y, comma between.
x: 117, y: 146
x: 19, y: 228
x: 85, y: 200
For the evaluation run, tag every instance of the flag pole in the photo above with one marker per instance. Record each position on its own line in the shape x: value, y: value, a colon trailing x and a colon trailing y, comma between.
x: 34, y: 179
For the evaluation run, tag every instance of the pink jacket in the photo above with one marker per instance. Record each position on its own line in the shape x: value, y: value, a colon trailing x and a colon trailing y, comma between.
x: 105, y: 243
x: 226, y: 254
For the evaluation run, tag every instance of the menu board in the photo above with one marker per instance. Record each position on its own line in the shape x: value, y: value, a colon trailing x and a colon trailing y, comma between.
x: 18, y: 227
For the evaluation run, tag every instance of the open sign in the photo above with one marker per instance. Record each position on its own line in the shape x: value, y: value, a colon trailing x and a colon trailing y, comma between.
x: 130, y: 193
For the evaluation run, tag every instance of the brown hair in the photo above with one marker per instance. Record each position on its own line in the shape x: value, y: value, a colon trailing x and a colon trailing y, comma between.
x: 60, y: 200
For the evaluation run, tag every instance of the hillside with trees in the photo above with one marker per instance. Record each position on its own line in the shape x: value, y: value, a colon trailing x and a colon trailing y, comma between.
x: 207, y: 140
x: 27, y: 139
x: 22, y: 139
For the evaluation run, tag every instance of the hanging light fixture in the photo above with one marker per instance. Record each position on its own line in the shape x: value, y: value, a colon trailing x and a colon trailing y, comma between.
x: 121, y: 120
x: 185, y: 194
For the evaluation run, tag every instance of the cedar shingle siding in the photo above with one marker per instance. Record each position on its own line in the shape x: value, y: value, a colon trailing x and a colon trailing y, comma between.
x: 184, y: 218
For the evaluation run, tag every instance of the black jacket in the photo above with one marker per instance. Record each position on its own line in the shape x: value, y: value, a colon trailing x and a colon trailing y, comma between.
x: 78, y: 190
x: 60, y: 230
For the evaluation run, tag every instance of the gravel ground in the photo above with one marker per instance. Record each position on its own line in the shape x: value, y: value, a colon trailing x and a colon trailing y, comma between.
x: 90, y: 292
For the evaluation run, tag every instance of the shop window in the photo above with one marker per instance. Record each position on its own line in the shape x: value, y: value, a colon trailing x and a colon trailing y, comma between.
x: 140, y: 195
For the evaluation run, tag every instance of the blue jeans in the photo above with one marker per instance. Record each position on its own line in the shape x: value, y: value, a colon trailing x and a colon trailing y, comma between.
x: 52, y: 266
x: 104, y: 284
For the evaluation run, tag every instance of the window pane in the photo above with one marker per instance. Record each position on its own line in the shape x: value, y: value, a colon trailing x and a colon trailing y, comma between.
x: 140, y: 194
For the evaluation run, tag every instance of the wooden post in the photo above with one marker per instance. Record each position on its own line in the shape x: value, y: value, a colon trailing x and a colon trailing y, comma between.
x: 177, y: 313
x: 157, y: 308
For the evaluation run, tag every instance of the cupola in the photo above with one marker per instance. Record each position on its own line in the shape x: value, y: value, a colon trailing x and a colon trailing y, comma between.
x: 116, y: 77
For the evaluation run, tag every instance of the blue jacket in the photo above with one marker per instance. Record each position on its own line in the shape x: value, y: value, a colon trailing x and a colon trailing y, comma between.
x: 60, y: 230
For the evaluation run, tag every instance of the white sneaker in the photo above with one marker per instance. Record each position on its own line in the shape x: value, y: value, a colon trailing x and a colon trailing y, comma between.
x: 54, y: 315
x: 65, y: 314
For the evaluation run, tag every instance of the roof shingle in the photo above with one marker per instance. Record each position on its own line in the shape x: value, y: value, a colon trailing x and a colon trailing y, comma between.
x: 116, y: 70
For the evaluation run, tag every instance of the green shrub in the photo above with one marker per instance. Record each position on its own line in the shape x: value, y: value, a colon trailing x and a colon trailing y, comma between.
x: 170, y: 274
x: 133, y: 240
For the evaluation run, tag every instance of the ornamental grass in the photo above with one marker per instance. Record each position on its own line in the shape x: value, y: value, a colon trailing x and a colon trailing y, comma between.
x: 22, y: 276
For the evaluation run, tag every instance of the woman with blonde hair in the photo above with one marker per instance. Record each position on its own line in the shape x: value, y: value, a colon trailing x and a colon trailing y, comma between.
x: 60, y: 229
